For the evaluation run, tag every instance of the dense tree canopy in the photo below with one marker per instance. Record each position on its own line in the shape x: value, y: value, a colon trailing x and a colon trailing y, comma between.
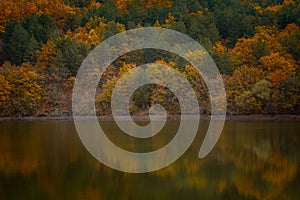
x: 255, y: 44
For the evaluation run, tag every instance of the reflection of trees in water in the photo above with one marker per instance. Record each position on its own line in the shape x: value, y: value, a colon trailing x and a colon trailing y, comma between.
x: 46, y: 159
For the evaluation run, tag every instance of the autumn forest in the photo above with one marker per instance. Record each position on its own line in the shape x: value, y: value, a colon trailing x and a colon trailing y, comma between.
x: 254, y: 43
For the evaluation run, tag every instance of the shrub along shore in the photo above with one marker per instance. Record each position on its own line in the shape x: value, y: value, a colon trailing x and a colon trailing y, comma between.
x: 278, y: 117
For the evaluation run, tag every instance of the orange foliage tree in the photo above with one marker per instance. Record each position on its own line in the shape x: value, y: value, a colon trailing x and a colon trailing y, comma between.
x: 268, y: 51
x: 16, y: 10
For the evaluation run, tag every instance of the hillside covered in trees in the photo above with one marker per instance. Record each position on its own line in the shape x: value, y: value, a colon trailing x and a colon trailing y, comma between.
x: 254, y: 43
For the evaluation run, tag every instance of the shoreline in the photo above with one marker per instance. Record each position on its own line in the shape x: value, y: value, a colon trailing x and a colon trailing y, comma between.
x: 262, y: 117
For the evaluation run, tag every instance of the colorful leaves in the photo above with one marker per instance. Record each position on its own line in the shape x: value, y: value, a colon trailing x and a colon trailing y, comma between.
x: 96, y: 30
x: 21, y: 89
x: 255, y: 46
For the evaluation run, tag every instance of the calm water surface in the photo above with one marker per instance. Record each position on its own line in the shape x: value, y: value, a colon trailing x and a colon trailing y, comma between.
x: 252, y: 160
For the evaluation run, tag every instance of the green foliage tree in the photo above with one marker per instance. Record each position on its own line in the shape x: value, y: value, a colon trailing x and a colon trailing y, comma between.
x: 41, y: 27
x: 221, y: 57
x: 234, y: 20
x: 22, y: 39
x: 199, y: 26
x: 72, y: 22
x: 71, y: 53
x: 109, y: 11
x: 78, y: 3
x: 15, y: 43
x: 290, y: 13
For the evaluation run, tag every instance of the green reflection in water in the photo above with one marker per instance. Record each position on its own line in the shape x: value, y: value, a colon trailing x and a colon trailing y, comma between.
x: 252, y: 160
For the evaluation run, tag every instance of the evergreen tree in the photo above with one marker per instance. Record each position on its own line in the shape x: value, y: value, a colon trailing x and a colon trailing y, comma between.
x: 71, y: 53
x: 15, y: 43
x: 41, y: 27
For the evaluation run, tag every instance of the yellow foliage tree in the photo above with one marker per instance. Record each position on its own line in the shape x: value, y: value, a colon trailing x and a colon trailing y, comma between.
x: 103, y: 99
x: 239, y: 85
x: 22, y: 89
x: 170, y: 21
x: 93, y: 5
x: 219, y: 47
x: 45, y: 58
x: 5, y: 91
x: 92, y: 32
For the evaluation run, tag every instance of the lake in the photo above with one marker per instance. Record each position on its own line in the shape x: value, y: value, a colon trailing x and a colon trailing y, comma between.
x: 252, y: 160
